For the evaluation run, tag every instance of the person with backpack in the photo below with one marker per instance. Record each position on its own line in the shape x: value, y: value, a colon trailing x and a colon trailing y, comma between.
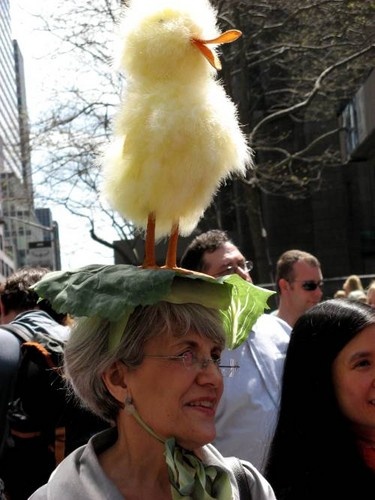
x: 22, y: 317
x: 34, y: 410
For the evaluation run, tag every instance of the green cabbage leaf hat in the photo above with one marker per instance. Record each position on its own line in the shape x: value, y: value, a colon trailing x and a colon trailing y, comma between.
x: 111, y: 292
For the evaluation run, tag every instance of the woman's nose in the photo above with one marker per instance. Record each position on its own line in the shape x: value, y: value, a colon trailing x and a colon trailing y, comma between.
x: 209, y: 371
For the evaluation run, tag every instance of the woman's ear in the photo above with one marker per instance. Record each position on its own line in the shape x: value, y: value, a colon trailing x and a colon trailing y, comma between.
x: 114, y: 379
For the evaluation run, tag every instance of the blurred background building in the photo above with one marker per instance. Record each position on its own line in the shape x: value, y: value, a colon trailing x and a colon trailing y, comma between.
x: 28, y: 235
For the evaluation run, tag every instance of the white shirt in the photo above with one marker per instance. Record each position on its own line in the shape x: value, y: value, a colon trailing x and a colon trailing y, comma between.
x: 247, y: 414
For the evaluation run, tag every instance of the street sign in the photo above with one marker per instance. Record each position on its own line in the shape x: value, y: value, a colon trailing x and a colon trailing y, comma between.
x: 41, y: 254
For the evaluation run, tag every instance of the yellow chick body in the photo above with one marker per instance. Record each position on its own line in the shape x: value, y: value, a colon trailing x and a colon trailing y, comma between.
x: 176, y: 136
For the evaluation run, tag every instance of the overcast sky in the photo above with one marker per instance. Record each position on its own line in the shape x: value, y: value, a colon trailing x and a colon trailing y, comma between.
x: 77, y: 248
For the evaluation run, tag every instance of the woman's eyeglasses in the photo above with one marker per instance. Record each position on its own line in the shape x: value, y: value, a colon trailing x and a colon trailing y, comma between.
x: 189, y: 360
x: 245, y: 267
x: 310, y: 285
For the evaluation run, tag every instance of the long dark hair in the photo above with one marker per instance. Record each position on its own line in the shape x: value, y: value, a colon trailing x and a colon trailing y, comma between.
x: 313, y: 453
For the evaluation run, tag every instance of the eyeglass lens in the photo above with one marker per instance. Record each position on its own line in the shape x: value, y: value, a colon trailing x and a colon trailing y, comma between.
x: 189, y: 359
x: 246, y: 266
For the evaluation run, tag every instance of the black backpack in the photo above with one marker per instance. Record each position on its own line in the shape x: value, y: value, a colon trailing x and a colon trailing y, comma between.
x: 45, y: 423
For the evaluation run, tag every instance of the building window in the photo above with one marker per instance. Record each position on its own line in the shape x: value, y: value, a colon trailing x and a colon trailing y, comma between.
x: 350, y: 125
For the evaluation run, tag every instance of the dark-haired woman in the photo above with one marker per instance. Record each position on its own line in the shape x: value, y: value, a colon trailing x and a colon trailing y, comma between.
x: 324, y: 442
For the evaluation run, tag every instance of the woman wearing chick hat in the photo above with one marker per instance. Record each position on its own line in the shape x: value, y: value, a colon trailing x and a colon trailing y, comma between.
x: 145, y: 352
x: 145, y: 355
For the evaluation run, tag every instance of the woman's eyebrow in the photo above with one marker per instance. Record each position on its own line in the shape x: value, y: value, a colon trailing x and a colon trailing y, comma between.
x: 183, y: 341
x: 360, y: 355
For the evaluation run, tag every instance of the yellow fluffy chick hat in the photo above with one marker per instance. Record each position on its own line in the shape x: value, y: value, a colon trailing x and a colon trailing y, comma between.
x: 176, y: 139
x: 176, y: 134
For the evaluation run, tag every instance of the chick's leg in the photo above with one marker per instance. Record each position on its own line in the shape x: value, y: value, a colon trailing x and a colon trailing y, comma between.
x: 171, y: 259
x: 149, y: 260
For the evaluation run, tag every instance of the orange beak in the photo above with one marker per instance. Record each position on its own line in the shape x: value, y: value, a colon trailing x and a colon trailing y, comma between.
x: 226, y: 37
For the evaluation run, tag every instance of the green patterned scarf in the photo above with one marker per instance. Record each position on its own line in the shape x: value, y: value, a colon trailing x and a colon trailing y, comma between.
x: 191, y: 478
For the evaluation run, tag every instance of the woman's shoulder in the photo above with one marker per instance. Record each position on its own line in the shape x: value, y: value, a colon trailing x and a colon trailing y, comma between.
x: 80, y: 476
x: 64, y: 480
x: 259, y: 486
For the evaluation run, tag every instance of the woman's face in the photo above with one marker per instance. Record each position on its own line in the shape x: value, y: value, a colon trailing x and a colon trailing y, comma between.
x: 175, y: 400
x: 354, y: 381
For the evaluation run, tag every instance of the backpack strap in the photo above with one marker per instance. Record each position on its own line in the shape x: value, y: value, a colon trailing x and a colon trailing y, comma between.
x: 60, y: 440
x: 38, y: 352
x: 36, y: 349
x: 21, y: 332
x: 240, y: 475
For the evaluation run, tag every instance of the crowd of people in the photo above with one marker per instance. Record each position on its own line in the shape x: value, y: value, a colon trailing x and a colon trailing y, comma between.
x: 168, y: 404
x: 353, y: 289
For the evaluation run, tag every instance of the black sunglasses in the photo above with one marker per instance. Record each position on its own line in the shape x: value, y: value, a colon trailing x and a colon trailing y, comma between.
x: 310, y: 285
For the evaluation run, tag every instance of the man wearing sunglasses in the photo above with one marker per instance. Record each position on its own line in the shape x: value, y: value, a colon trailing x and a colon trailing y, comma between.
x: 247, y: 413
x: 299, y: 283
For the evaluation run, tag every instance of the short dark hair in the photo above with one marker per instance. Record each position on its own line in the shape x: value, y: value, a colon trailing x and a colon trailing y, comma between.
x: 15, y: 292
x: 286, y: 261
x: 205, y: 242
x: 17, y: 296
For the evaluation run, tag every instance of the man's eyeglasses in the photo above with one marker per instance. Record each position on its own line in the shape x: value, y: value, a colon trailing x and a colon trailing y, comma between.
x: 310, y: 285
x: 245, y: 267
x: 189, y: 360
